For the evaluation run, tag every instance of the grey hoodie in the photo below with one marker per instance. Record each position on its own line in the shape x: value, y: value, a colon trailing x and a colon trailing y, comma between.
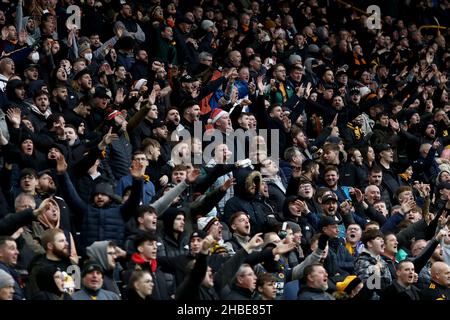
x: 98, y: 251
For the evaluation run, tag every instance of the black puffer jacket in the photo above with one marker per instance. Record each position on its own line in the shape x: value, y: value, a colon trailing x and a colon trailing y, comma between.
x: 247, y: 202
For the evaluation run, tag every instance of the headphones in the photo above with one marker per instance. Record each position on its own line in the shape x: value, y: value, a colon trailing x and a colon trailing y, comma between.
x: 283, y: 233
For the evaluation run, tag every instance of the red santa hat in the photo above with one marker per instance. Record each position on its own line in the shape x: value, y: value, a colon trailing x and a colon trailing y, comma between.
x: 216, y: 114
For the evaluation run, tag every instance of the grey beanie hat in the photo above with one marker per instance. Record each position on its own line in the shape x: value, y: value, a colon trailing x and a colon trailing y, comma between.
x: 6, y: 280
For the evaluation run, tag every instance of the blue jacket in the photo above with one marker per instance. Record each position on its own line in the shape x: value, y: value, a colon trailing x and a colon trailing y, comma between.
x: 148, y: 191
x: 101, y: 223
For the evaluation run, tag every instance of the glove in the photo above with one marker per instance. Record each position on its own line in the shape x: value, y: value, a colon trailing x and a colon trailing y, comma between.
x: 323, y: 240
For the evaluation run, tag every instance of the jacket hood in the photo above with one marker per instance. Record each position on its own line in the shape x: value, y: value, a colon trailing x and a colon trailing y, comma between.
x: 244, y: 179
x: 98, y: 251
x: 169, y: 217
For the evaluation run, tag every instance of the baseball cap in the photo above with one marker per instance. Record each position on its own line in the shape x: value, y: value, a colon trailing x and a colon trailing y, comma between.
x: 382, y: 147
x: 187, y: 78
x: 327, y: 221
x: 197, y: 234
x: 329, y: 195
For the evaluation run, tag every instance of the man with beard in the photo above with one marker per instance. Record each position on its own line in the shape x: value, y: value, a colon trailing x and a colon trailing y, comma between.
x: 402, y: 288
x: 316, y: 284
x: 300, y: 140
x: 57, y: 253
x: 369, y: 266
x: 40, y: 111
x: 161, y: 134
x: 190, y: 115
x: 16, y: 95
x: 172, y: 120
x: 82, y: 83
x: 59, y: 99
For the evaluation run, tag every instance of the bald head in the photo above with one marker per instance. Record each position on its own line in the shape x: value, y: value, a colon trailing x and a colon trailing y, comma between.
x: 440, y: 273
x: 445, y: 154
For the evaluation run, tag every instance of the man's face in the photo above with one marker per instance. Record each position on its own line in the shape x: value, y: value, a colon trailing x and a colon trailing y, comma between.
x: 331, y: 178
x: 391, y: 244
x: 430, y: 131
x: 222, y: 154
x: 235, y: 58
x: 241, y: 225
x: 7, y: 293
x: 28, y: 183
x: 85, y: 82
x: 93, y: 280
x: 305, y: 190
x: 71, y: 135
x: 196, y: 244
x: 101, y: 200
x: 60, y: 246
x: 32, y: 74
x: 194, y: 113
x: 248, y: 279
x: 330, y: 156
x: 296, y: 75
x: 328, y: 77
x: 46, y: 184
x: 148, y: 249
x: 178, y: 224
x: 353, y: 233
x: 277, y: 113
x: 42, y: 103
x: 338, y: 103
x: 372, y: 194
x: 161, y: 132
x: 268, y: 290
x: 148, y: 221
x: 9, y: 253
x: 357, y: 157
x: 405, y: 274
x: 381, y: 208
x: 111, y: 256
x: 126, y: 11
x: 331, y: 230
x: 375, y: 178
x: 280, y: 73
x: 318, y: 279
x: 224, y: 124
x: 173, y: 116
x: 216, y: 231
x: 443, y: 277
x: 178, y: 176
x: 95, y: 40
x: 405, y: 196
x: 244, y: 122
x: 376, y: 246
x: 62, y: 94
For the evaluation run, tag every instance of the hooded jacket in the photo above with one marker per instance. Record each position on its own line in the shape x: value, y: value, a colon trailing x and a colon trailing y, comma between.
x: 245, y: 201
x: 98, y: 251
x: 172, y: 247
x: 101, y: 223
x: 48, y: 290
